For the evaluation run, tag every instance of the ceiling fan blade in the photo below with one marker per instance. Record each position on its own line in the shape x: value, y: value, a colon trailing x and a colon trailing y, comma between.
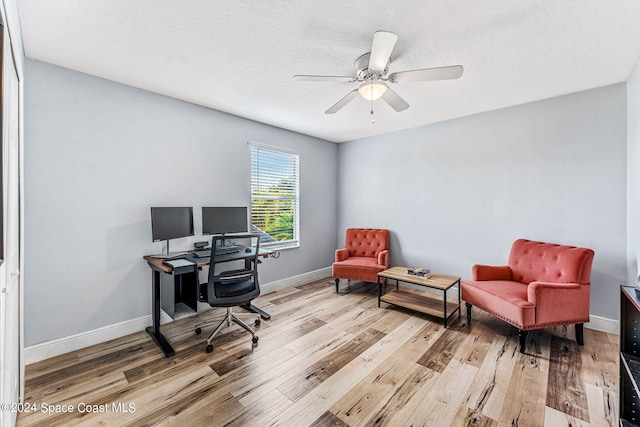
x: 394, y: 100
x: 439, y: 73
x: 383, y: 44
x: 312, y: 78
x: 344, y: 101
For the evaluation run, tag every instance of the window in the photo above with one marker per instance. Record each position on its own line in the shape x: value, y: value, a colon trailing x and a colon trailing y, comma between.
x: 274, y: 195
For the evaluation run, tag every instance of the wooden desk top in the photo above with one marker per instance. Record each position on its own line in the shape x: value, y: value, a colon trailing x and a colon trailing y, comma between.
x: 157, y: 264
x: 437, y: 281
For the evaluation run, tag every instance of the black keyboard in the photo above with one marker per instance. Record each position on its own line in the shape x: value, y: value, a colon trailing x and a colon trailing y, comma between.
x: 205, y: 253
x: 201, y: 253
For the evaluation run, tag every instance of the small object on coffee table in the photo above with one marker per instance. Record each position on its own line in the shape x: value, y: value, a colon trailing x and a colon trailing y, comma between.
x: 418, y: 271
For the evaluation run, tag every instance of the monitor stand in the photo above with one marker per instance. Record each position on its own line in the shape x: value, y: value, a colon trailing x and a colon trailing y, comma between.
x: 168, y: 255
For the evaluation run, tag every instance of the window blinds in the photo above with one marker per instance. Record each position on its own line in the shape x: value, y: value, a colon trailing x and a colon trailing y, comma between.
x: 274, y: 194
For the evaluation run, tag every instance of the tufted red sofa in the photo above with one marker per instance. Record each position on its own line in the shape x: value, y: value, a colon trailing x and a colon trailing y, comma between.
x: 544, y: 285
x: 365, y: 255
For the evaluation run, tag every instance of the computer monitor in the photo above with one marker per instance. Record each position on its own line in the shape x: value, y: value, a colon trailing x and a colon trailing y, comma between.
x: 171, y: 223
x: 224, y: 219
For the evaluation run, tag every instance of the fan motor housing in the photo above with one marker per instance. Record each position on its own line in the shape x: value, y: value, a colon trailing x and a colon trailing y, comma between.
x: 362, y: 67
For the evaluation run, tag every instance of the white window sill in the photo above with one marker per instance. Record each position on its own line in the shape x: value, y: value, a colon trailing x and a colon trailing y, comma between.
x: 283, y: 247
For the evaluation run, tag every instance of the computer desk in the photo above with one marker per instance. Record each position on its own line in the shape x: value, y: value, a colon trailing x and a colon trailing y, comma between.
x: 158, y: 268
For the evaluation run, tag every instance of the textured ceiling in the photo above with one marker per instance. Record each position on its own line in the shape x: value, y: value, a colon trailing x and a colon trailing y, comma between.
x: 239, y: 56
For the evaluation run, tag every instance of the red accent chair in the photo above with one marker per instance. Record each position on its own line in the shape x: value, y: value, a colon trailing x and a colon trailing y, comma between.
x: 544, y: 285
x: 365, y: 255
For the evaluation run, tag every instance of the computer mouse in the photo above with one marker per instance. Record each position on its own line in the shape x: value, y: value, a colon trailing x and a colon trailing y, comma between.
x: 247, y: 250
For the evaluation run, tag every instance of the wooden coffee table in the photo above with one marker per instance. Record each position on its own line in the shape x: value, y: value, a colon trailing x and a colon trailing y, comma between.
x: 419, y: 300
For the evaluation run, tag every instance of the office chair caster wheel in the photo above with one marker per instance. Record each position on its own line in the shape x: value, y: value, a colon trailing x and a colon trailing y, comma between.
x: 198, y: 331
x: 257, y: 322
x: 254, y: 339
x: 209, y: 348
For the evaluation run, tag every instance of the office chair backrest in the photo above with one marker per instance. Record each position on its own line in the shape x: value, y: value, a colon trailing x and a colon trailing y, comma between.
x: 230, y: 288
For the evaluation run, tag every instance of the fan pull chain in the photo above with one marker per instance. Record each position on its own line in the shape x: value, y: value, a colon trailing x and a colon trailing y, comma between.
x: 373, y: 117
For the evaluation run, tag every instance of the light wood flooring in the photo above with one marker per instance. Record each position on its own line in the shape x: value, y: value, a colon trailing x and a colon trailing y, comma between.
x: 327, y: 359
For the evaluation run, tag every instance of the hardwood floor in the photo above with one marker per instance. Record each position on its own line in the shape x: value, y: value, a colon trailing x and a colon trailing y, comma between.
x: 327, y: 359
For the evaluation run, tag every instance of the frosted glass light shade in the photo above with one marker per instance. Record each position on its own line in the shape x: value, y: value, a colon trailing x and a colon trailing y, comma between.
x: 372, y: 91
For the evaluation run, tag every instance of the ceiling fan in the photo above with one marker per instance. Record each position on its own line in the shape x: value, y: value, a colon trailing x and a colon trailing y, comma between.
x: 371, y: 72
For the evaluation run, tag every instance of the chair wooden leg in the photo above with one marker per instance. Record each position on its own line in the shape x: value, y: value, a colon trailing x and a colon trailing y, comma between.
x: 468, y: 312
x: 337, y: 280
x: 523, y: 338
x: 580, y: 333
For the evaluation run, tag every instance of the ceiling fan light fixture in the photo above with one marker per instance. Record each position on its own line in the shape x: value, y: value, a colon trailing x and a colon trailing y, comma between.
x: 372, y: 90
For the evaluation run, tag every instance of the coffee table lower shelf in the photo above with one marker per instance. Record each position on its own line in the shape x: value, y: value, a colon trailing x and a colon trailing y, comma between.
x: 419, y: 301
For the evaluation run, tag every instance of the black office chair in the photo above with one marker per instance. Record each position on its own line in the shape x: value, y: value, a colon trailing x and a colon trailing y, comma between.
x: 232, y: 288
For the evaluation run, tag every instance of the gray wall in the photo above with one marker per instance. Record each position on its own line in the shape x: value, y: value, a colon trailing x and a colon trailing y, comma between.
x: 98, y: 154
x: 459, y: 192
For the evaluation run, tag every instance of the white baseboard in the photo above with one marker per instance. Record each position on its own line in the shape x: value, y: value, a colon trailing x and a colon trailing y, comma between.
x: 295, y: 280
x: 603, y: 324
x: 47, y: 350
x: 39, y: 352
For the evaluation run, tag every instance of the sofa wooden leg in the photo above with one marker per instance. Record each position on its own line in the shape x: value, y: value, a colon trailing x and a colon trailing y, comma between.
x: 337, y: 280
x: 468, y: 312
x: 523, y: 338
x: 580, y: 333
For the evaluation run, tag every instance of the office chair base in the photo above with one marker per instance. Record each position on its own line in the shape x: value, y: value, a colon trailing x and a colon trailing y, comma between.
x: 229, y: 317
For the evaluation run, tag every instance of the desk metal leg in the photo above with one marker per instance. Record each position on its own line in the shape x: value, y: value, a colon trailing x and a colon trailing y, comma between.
x: 154, y: 330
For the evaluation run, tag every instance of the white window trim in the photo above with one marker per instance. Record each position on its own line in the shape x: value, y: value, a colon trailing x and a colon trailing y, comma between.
x: 254, y: 144
x: 289, y: 244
